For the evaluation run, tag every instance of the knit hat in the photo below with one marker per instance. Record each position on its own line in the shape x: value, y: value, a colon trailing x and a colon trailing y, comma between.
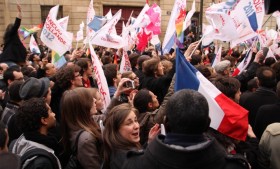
x: 34, y: 87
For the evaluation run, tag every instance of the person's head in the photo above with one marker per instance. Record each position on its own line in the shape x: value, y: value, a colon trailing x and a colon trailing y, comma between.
x: 98, y: 98
x: 11, y: 74
x: 269, y: 61
x: 205, y: 71
x: 69, y: 77
x: 145, y: 100
x: 133, y: 59
x: 34, y: 57
x: 107, y: 58
x: 196, y: 59
x: 86, y: 67
x: 35, y: 115
x: 232, y: 60
x: 266, y: 77
x: 187, y: 112
x: 14, y: 89
x: 4, y: 138
x: 142, y: 59
x: 276, y: 68
x: 111, y: 74
x: 153, y: 67
x: 252, y: 85
x: 167, y: 65
x: 50, y: 69
x: 223, y: 68
x: 121, y: 129
x: 229, y: 86
x: 38, y: 88
x: 132, y: 76
x: 4, y: 66
x: 77, y: 108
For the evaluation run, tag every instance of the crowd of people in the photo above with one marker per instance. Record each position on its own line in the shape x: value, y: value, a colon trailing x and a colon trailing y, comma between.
x: 55, y: 118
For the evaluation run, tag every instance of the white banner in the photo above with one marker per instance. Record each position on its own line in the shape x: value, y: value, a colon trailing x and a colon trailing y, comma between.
x: 54, y: 36
x: 125, y: 63
x: 33, y: 45
x: 100, y: 78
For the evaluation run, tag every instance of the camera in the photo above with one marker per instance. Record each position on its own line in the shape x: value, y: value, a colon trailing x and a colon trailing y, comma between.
x: 129, y: 84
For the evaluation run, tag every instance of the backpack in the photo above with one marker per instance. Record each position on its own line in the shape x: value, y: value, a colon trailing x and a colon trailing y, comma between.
x: 37, y: 152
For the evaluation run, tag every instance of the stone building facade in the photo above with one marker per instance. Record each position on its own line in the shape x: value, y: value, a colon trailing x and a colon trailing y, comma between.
x: 34, y: 10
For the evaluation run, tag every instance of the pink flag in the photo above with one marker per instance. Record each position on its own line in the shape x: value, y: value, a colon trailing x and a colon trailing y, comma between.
x: 154, y: 14
x: 100, y: 78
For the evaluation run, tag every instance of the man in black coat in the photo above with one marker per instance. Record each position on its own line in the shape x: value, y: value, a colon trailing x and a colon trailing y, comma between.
x: 264, y: 95
x: 186, y: 146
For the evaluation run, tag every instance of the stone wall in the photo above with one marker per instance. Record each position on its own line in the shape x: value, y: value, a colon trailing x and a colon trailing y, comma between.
x: 77, y: 9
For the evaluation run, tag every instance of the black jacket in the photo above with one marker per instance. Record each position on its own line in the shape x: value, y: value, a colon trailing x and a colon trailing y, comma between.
x: 204, y: 155
x: 13, y: 49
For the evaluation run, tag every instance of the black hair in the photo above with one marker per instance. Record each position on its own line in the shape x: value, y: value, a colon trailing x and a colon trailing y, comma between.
x: 30, y: 113
x: 266, y: 77
x: 14, y: 91
x: 141, y: 100
x: 3, y: 135
x: 187, y: 112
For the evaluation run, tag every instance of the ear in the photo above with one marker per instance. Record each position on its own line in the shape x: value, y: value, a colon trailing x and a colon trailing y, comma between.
x: 150, y: 105
x: 44, y: 121
x: 9, y: 81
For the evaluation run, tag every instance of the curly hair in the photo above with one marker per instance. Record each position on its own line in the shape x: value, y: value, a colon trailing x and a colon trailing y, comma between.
x: 65, y: 75
x: 30, y: 113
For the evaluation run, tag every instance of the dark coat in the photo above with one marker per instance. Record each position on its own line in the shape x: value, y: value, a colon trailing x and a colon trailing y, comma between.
x: 253, y: 101
x: 266, y: 115
x: 13, y: 49
x: 207, y: 155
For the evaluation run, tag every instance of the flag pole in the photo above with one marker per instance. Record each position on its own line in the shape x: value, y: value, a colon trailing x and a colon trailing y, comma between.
x: 196, y: 46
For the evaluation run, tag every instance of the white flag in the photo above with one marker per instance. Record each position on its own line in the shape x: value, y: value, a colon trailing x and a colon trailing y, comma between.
x: 63, y: 22
x: 187, y: 21
x: 100, y: 78
x: 80, y: 33
x: 218, y: 57
x: 106, y: 37
x: 125, y: 63
x: 33, y: 45
x: 54, y: 36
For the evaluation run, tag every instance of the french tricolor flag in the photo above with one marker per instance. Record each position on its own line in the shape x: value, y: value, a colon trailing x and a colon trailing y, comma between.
x: 243, y: 64
x: 226, y: 116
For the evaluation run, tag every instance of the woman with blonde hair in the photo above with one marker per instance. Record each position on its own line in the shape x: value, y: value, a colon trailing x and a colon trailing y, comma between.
x: 77, y: 107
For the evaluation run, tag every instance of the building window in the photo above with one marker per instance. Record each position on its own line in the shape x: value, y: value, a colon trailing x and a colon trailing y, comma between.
x: 45, y: 9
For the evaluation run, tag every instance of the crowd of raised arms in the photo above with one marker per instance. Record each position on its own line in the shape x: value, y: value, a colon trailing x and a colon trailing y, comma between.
x: 56, y: 118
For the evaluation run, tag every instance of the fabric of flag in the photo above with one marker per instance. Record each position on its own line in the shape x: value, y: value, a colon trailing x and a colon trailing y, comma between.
x: 143, y: 39
x: 179, y: 25
x: 169, y: 38
x: 243, y: 64
x: 226, y: 116
x: 218, y: 57
x: 90, y: 15
x: 57, y: 60
x: 24, y: 32
x: 154, y: 14
x: 140, y: 17
x: 276, y: 14
x: 33, y: 45
x: 53, y: 36
x: 63, y: 22
x: 36, y: 28
x: 100, y: 78
x: 125, y: 63
x: 97, y: 23
x: 187, y: 21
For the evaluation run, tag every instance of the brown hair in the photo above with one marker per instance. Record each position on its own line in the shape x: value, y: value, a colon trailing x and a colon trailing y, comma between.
x: 112, y: 138
x: 150, y: 66
x: 75, y: 114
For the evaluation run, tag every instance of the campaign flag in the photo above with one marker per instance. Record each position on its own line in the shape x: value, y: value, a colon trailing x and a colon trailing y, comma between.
x: 100, y: 78
x: 140, y: 17
x: 97, y: 22
x: 125, y: 63
x: 90, y: 15
x: 109, y: 15
x: 169, y: 38
x: 57, y: 60
x: 154, y: 14
x: 143, y: 39
x: 63, y: 22
x: 54, y: 36
x: 226, y: 116
x: 276, y: 14
x: 218, y: 57
x: 80, y: 33
x: 33, y: 45
x: 243, y: 64
x: 106, y: 36
x: 187, y: 21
